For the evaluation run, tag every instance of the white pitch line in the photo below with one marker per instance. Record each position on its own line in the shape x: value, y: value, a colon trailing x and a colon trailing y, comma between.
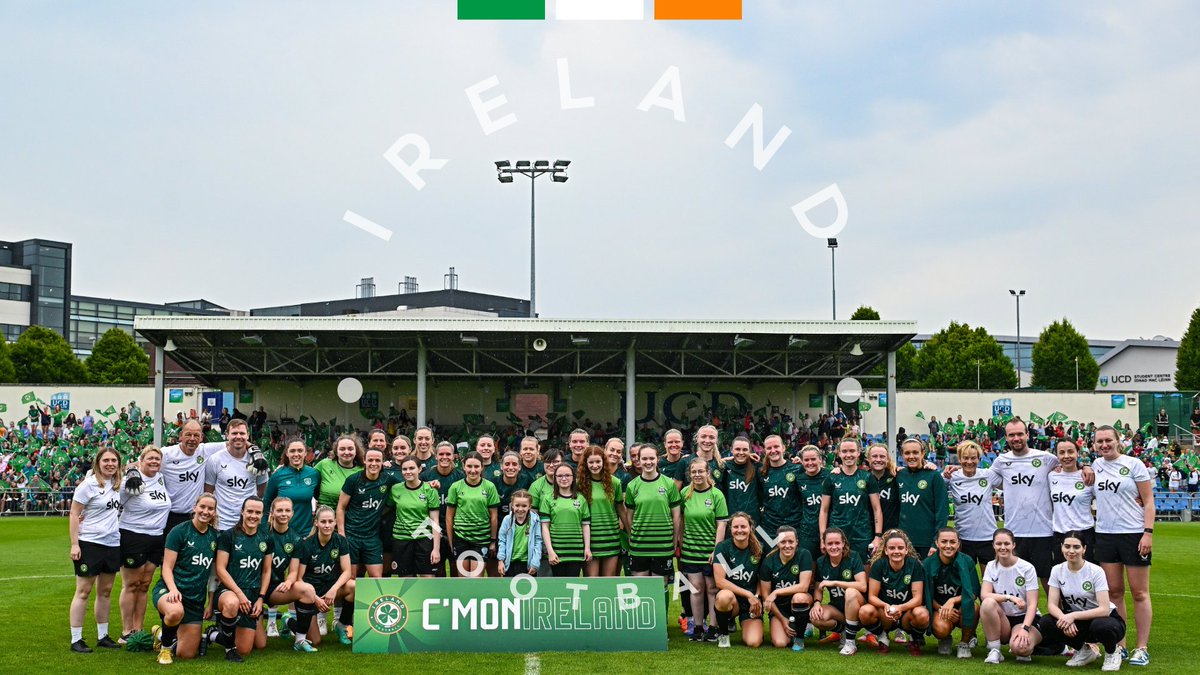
x: 533, y: 664
x: 367, y: 225
x: 39, y: 576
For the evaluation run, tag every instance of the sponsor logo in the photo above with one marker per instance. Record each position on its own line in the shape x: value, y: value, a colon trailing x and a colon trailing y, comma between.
x: 1021, y: 479
x: 387, y: 615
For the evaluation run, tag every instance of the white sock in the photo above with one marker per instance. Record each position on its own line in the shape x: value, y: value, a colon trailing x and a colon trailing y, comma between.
x: 993, y: 644
x: 101, y: 630
x: 76, y: 634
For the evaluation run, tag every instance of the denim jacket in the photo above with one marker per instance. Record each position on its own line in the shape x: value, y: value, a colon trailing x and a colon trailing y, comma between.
x: 506, y: 536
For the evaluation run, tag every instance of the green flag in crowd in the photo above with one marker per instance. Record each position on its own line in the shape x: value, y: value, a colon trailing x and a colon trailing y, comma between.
x: 1036, y: 419
x: 28, y: 398
x: 1057, y: 417
x: 920, y: 415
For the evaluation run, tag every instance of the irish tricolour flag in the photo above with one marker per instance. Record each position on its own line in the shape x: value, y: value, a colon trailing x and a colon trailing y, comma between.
x: 599, y: 10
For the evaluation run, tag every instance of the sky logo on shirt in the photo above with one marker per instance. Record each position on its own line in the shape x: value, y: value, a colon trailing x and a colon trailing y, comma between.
x: 599, y: 10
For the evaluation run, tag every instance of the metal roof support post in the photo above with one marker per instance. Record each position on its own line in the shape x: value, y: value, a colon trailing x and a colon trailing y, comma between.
x: 421, y: 400
x: 159, y: 367
x: 891, y: 399
x: 630, y: 394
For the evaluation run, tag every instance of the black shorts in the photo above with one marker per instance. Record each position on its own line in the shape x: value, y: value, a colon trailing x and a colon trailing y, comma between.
x: 97, y: 559
x: 568, y: 570
x: 174, y: 519
x: 516, y: 568
x: 243, y: 620
x: 476, y: 552
x: 1037, y: 552
x: 1014, y: 621
x: 1089, y: 542
x: 743, y: 611
x: 658, y: 567
x: 410, y: 558
x: 137, y: 549
x: 694, y: 568
x: 980, y: 551
x: 1120, y: 548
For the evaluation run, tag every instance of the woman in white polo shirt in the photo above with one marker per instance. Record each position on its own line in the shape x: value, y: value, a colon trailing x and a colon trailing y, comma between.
x: 1125, y: 531
x: 95, y: 546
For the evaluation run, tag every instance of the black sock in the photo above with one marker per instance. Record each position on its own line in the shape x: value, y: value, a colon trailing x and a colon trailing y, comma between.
x: 839, y: 627
x: 347, y: 615
x: 799, y: 620
x: 852, y: 629
x: 226, y: 626
x: 303, y: 619
x: 685, y: 603
x: 724, y: 622
x: 167, y: 638
x: 876, y: 630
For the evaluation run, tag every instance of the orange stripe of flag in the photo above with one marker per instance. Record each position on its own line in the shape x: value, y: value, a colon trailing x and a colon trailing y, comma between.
x: 698, y: 9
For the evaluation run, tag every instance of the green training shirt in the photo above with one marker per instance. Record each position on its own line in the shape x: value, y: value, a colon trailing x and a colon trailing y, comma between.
x: 811, y: 490
x: 844, y: 571
x: 606, y: 527
x: 701, y: 513
x: 781, y: 498
x: 413, y: 508
x: 195, y: 554
x: 322, y: 563
x: 889, y: 499
x: 652, y: 530
x: 780, y: 574
x: 283, y: 549
x: 333, y: 475
x: 566, y: 516
x: 924, y: 507
x: 473, y: 506
x: 740, y: 564
x: 740, y: 494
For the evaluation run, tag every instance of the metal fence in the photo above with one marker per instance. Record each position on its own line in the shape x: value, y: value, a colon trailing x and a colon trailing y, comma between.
x: 28, y: 502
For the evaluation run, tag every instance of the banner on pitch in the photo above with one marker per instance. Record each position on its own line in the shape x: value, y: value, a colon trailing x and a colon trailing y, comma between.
x: 522, y: 614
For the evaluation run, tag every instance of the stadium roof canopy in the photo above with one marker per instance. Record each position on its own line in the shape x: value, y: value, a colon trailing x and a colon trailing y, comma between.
x: 306, y: 348
x: 215, y: 348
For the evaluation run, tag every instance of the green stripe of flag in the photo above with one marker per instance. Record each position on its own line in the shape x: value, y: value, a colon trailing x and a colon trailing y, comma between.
x: 502, y: 9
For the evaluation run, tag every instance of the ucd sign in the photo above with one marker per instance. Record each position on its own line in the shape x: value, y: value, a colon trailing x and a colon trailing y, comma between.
x: 523, y: 614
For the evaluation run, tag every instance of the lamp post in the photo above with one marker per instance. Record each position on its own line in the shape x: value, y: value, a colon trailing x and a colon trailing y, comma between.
x: 1076, y: 373
x: 532, y: 170
x: 1017, y: 295
x: 978, y: 362
x: 833, y: 271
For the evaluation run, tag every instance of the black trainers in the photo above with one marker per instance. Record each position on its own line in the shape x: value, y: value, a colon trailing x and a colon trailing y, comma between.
x: 697, y: 635
x: 107, y: 643
x: 711, y: 635
x: 80, y: 647
x: 232, y: 656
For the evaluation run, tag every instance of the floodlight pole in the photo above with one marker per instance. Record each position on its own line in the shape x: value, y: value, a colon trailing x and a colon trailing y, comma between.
x: 833, y: 244
x: 532, y: 170
x: 1017, y: 295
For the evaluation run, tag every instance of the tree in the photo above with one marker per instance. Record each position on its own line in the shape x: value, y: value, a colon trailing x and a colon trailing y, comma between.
x: 1187, y: 363
x: 952, y: 357
x: 43, y: 356
x: 864, y: 313
x: 1054, y: 357
x: 117, y: 359
x: 7, y: 372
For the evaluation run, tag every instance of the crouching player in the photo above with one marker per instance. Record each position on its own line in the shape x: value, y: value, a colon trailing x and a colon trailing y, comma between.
x: 896, y: 595
x: 840, y: 571
x: 784, y: 580
x: 244, y: 556
x: 182, y: 589
x: 951, y: 590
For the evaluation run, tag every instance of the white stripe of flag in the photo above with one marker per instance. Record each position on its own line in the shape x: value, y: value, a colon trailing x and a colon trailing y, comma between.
x: 600, y: 10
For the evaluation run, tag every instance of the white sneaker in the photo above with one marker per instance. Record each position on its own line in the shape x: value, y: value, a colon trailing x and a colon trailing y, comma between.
x: 1083, y: 656
x: 994, y: 656
x: 723, y: 641
x: 964, y: 650
x: 321, y: 624
x: 848, y: 648
x: 973, y: 643
x: 1112, y: 662
x: 272, y: 629
x: 945, y: 646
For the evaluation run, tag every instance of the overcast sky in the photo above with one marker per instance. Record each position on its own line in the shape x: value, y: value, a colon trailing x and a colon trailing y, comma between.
x: 211, y: 149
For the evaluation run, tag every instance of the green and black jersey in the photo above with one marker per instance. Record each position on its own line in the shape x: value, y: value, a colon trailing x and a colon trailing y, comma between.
x: 283, y: 549
x: 850, y: 505
x: 781, y: 497
x: 365, y: 508
x: 741, y: 493
x: 247, y: 555
x: 652, y: 529
x: 844, y: 571
x: 529, y: 475
x: 492, y: 472
x: 473, y: 509
x: 195, y: 553
x: 889, y: 498
x: 740, y: 564
x: 701, y: 513
x: 322, y: 562
x: 505, y: 491
x: 895, y: 586
x: 783, y: 574
x: 606, y: 527
x: 540, y: 491
x: 444, y: 482
x: 413, y: 506
x: 681, y: 469
x: 566, y: 516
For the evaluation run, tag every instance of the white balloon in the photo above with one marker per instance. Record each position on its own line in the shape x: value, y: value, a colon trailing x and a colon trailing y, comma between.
x: 350, y: 390
x: 849, y: 390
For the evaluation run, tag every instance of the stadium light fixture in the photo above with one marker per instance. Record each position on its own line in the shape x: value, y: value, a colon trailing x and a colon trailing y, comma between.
x: 856, y: 350
x: 505, y: 173
x: 170, y: 346
x: 580, y: 340
x: 255, y: 340
x: 739, y: 341
x: 469, y: 339
x: 307, y: 340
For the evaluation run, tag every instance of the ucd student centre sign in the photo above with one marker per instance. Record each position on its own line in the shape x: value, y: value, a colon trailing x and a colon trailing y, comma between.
x: 522, y: 614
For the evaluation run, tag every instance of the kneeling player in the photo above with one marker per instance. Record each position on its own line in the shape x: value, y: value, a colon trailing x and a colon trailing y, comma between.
x: 951, y: 590
x: 324, y: 562
x: 244, y: 555
x: 735, y: 571
x: 896, y: 595
x: 785, y: 578
x: 839, y: 571
x: 182, y: 589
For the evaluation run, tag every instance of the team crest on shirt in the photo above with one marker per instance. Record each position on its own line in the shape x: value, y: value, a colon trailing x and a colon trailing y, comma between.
x: 795, y: 570
x: 575, y: 503
x: 1037, y: 463
x: 421, y: 497
x: 862, y: 485
x: 982, y: 482
x: 129, y: 562
x: 908, y: 578
x: 308, y: 481
x: 846, y: 575
x: 753, y: 560
x: 1124, y: 471
x: 1078, y: 485
x: 708, y: 502
x: 1087, y: 587
x: 716, y: 474
x: 333, y: 553
x: 921, y: 484
x: 662, y: 491
x: 1020, y: 581
x: 382, y: 489
x: 288, y: 548
x: 200, y: 460
x: 791, y: 477
x: 262, y: 547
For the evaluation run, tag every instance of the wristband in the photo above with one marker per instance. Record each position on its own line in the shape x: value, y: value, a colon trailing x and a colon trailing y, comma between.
x: 1025, y: 627
x: 879, y: 534
x: 1149, y: 530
